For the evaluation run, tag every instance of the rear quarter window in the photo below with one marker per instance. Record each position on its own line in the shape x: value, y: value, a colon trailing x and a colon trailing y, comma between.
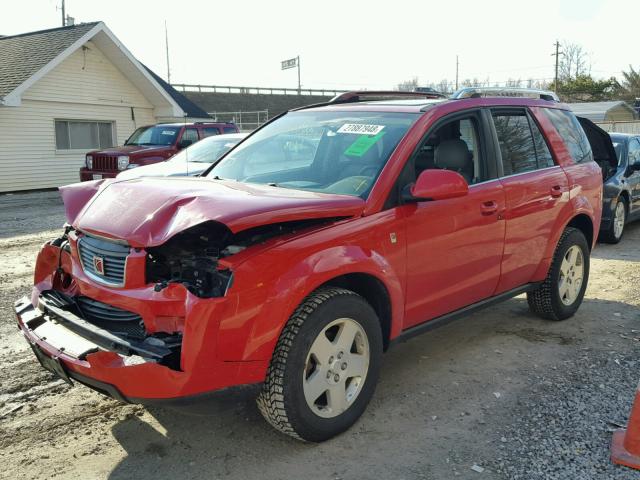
x: 572, y: 133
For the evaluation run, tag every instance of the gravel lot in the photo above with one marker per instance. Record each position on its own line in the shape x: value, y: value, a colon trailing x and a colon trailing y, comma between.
x: 502, y: 390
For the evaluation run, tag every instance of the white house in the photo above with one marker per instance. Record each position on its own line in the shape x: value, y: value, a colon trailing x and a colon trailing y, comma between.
x: 69, y: 90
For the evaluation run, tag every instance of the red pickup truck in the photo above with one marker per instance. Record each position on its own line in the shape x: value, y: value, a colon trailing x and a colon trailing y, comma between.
x: 149, y: 144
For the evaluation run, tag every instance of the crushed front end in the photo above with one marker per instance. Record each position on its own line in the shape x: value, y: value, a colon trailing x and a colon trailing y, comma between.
x: 136, y: 324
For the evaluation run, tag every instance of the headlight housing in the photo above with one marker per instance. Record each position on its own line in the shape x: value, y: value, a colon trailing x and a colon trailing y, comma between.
x: 123, y: 162
x: 88, y: 160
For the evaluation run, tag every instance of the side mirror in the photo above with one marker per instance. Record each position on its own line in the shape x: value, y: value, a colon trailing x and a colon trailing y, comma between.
x: 437, y: 185
x: 184, y: 143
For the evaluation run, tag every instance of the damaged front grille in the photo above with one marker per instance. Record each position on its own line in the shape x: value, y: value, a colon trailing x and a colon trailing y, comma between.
x: 102, y: 260
x: 112, y: 319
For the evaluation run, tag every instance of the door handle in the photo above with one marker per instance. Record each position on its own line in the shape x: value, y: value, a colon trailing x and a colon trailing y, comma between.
x: 489, y: 208
x: 556, y: 191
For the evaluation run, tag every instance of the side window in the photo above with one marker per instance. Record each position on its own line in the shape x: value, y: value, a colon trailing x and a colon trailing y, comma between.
x: 230, y: 130
x: 545, y: 159
x: 190, y: 134
x: 571, y: 131
x: 210, y: 131
x: 634, y: 152
x: 516, y: 142
x: 453, y: 146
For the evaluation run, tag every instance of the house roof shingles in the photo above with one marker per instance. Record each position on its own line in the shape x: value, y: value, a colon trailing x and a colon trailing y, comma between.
x: 23, y: 55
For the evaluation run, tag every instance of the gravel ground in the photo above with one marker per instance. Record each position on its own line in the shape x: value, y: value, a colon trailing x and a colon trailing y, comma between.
x: 498, y: 395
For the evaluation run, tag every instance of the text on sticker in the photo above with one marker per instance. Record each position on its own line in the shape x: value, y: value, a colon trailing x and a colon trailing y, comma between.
x: 168, y: 132
x: 360, y: 129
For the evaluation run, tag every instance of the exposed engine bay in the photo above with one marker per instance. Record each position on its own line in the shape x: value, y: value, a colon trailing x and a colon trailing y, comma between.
x: 191, y: 257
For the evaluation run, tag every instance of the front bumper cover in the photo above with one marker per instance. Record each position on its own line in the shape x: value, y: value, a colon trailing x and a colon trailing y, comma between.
x: 128, y: 371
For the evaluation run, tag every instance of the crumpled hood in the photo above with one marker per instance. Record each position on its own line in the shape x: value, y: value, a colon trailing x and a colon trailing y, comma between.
x: 147, y: 212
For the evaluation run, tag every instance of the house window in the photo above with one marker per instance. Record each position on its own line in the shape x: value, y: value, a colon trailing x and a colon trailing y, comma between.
x: 83, y: 135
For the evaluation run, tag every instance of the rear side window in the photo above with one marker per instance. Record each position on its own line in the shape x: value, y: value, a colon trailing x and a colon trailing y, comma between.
x: 210, y: 131
x: 634, y: 152
x: 516, y: 142
x: 190, y: 134
x: 572, y: 133
x: 230, y: 130
x: 545, y: 159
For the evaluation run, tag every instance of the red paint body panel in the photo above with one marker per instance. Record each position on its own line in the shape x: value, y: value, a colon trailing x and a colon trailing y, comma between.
x: 431, y: 257
x: 454, y: 252
x: 157, y: 208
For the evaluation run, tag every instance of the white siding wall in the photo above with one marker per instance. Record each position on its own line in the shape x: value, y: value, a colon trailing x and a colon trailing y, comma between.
x: 86, y: 86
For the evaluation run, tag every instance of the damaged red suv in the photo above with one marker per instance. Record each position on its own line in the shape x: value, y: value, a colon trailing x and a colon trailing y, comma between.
x: 323, y: 238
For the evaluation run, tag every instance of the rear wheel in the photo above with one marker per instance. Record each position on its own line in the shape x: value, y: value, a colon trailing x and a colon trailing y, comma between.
x: 560, y: 295
x: 325, y: 366
x: 614, y: 233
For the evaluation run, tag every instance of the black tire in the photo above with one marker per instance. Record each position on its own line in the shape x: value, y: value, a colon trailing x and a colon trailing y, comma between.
x: 545, y: 301
x: 608, y: 235
x: 281, y: 400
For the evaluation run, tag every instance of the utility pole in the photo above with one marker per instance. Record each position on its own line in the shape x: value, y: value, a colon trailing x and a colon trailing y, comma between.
x: 64, y: 17
x: 166, y: 41
x: 557, y: 55
x: 457, y: 65
x: 299, y: 84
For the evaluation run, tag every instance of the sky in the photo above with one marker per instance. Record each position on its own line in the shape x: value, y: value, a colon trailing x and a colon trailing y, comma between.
x: 352, y: 44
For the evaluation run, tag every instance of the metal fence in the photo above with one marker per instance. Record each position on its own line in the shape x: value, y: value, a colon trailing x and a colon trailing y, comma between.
x: 187, y: 87
x: 246, y: 121
x: 632, y: 126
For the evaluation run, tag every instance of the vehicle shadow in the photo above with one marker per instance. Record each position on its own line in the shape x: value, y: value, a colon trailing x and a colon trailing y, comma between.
x: 452, y: 369
x: 621, y: 251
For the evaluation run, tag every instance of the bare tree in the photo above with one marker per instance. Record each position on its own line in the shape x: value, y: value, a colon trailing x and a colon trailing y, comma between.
x: 574, y: 62
x: 408, y: 85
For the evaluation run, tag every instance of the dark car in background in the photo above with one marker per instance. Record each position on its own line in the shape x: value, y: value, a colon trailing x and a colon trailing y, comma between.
x: 621, y: 196
x: 147, y: 145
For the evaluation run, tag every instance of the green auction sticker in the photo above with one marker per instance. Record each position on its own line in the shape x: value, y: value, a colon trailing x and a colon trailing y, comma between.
x: 363, y: 144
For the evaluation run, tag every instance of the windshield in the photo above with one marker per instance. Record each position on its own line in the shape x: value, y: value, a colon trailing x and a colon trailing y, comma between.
x: 329, y: 152
x: 207, y: 150
x: 156, y: 135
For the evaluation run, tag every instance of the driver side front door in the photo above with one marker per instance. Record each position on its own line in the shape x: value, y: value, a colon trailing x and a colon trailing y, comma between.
x: 454, y: 246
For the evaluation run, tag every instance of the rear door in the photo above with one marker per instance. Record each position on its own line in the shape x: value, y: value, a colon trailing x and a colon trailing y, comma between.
x: 536, y: 189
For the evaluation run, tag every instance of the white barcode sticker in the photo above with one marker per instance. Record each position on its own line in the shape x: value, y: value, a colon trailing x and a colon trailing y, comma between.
x: 360, y: 129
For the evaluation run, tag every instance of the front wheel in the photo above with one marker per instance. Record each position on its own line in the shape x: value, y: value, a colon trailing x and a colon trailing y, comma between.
x: 614, y: 233
x: 325, y: 366
x: 561, y: 293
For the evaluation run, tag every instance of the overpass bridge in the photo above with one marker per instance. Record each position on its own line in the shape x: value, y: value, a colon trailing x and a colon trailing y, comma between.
x: 249, y: 107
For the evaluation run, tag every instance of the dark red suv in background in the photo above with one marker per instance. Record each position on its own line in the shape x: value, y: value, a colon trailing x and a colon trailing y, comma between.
x: 324, y: 237
x: 147, y: 145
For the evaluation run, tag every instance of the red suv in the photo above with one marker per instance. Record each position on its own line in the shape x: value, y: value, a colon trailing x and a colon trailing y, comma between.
x: 320, y: 240
x: 147, y: 145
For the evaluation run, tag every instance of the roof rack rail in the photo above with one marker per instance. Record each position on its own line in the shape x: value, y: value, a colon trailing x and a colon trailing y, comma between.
x: 478, y: 92
x: 367, y: 95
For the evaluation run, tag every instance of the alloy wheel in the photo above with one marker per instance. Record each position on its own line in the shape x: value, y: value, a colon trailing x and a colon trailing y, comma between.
x: 336, y: 367
x: 618, y: 220
x: 571, y: 275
